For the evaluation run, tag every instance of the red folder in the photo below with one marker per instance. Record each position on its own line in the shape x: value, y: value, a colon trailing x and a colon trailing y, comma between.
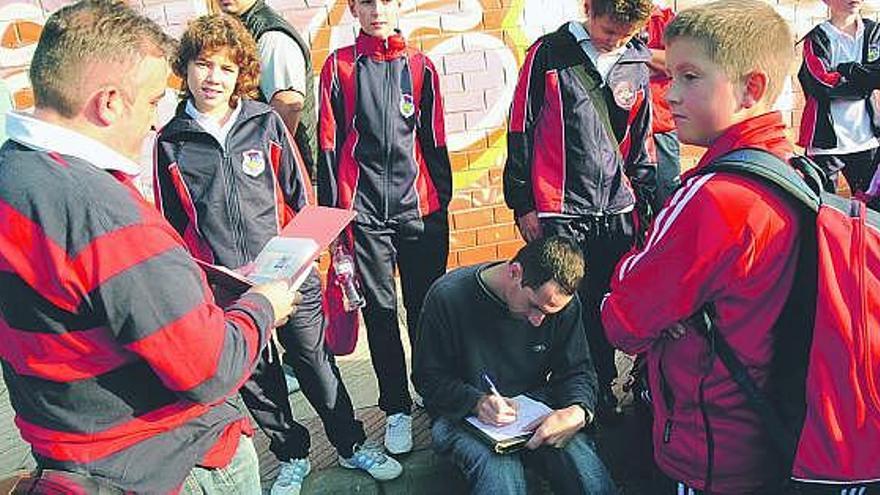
x: 318, y: 223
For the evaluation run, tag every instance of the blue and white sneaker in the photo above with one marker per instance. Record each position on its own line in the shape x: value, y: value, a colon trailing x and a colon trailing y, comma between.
x: 370, y: 458
x: 290, y: 477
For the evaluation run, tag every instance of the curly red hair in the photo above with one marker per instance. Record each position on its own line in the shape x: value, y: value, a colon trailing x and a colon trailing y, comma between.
x: 211, y: 33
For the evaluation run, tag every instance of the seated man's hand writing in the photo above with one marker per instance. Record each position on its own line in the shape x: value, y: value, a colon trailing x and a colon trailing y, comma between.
x: 495, y: 410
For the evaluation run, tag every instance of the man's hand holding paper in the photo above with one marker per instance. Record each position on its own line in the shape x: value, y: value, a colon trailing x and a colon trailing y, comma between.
x: 556, y: 429
x: 284, y: 301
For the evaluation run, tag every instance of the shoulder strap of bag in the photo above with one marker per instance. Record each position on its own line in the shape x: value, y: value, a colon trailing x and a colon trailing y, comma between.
x: 803, y: 187
x: 594, y: 88
x: 803, y: 183
x: 781, y: 436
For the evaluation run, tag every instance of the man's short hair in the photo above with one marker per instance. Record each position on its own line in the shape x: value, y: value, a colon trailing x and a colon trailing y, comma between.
x: 551, y: 258
x: 87, y: 32
x: 627, y: 12
x: 740, y: 36
x: 211, y: 33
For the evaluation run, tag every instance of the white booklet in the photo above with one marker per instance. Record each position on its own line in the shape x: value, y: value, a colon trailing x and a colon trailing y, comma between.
x: 282, y: 258
x: 513, y: 436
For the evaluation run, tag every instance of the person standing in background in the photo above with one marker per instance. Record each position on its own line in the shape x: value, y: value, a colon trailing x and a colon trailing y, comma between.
x: 665, y: 138
x: 286, y: 76
x: 287, y: 84
x: 580, y: 157
x: 228, y: 180
x: 839, y: 73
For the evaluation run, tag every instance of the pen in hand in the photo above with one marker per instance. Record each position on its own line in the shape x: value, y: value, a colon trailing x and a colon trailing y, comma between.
x: 492, y: 389
x: 493, y: 408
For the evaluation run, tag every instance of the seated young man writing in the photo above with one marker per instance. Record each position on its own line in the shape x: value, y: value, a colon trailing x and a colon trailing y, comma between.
x: 519, y: 321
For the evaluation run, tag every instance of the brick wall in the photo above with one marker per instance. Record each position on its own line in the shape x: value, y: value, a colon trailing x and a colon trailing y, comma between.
x: 477, y: 46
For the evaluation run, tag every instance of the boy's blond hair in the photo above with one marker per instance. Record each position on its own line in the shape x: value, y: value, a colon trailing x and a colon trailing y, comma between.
x: 740, y: 36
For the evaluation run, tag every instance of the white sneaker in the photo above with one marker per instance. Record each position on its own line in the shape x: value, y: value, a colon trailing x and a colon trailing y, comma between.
x: 370, y: 458
x: 290, y: 477
x: 398, y: 433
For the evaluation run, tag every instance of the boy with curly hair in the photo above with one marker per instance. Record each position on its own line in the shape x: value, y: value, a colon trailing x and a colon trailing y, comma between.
x: 228, y: 178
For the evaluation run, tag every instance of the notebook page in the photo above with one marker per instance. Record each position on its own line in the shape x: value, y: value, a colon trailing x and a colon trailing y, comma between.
x: 528, y: 410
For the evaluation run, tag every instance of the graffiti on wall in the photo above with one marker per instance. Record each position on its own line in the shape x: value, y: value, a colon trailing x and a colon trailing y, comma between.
x: 477, y: 46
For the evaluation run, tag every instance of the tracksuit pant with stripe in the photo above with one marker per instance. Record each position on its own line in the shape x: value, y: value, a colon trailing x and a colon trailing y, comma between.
x: 418, y: 250
x: 858, y: 168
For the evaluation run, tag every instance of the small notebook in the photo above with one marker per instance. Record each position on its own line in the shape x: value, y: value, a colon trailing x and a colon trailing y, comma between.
x: 510, y: 438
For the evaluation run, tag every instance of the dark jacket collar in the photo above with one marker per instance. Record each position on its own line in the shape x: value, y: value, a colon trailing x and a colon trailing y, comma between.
x: 255, y: 8
x: 183, y: 122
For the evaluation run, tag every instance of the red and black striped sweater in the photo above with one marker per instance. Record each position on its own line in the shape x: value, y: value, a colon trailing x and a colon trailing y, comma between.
x: 118, y: 362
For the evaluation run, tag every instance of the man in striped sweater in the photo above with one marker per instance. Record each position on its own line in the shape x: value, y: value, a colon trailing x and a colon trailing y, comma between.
x: 119, y: 364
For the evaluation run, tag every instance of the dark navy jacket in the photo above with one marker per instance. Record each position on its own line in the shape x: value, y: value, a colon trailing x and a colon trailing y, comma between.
x: 381, y: 132
x: 228, y: 204
x: 561, y: 159
x: 822, y: 84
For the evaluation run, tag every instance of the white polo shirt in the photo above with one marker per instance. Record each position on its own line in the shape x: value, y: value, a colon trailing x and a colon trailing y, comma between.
x: 283, y: 66
x: 852, y: 123
x: 212, y: 125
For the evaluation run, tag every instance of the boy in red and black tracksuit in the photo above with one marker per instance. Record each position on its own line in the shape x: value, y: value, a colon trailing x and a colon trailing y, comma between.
x: 839, y: 74
x: 229, y: 178
x: 580, y: 155
x: 383, y: 153
x: 723, y: 240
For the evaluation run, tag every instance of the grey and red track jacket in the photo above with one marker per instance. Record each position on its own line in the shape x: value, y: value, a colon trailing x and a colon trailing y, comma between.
x: 228, y: 201
x: 822, y: 84
x: 381, y: 132
x: 117, y: 360
x: 560, y: 159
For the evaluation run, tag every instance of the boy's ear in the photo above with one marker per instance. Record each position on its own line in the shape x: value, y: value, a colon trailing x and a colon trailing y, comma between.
x: 351, y: 8
x: 754, y: 88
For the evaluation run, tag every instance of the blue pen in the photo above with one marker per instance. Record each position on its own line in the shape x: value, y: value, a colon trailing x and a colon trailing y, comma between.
x: 491, y: 385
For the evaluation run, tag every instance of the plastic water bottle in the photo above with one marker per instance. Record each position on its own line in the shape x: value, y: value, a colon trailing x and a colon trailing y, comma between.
x: 343, y: 265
